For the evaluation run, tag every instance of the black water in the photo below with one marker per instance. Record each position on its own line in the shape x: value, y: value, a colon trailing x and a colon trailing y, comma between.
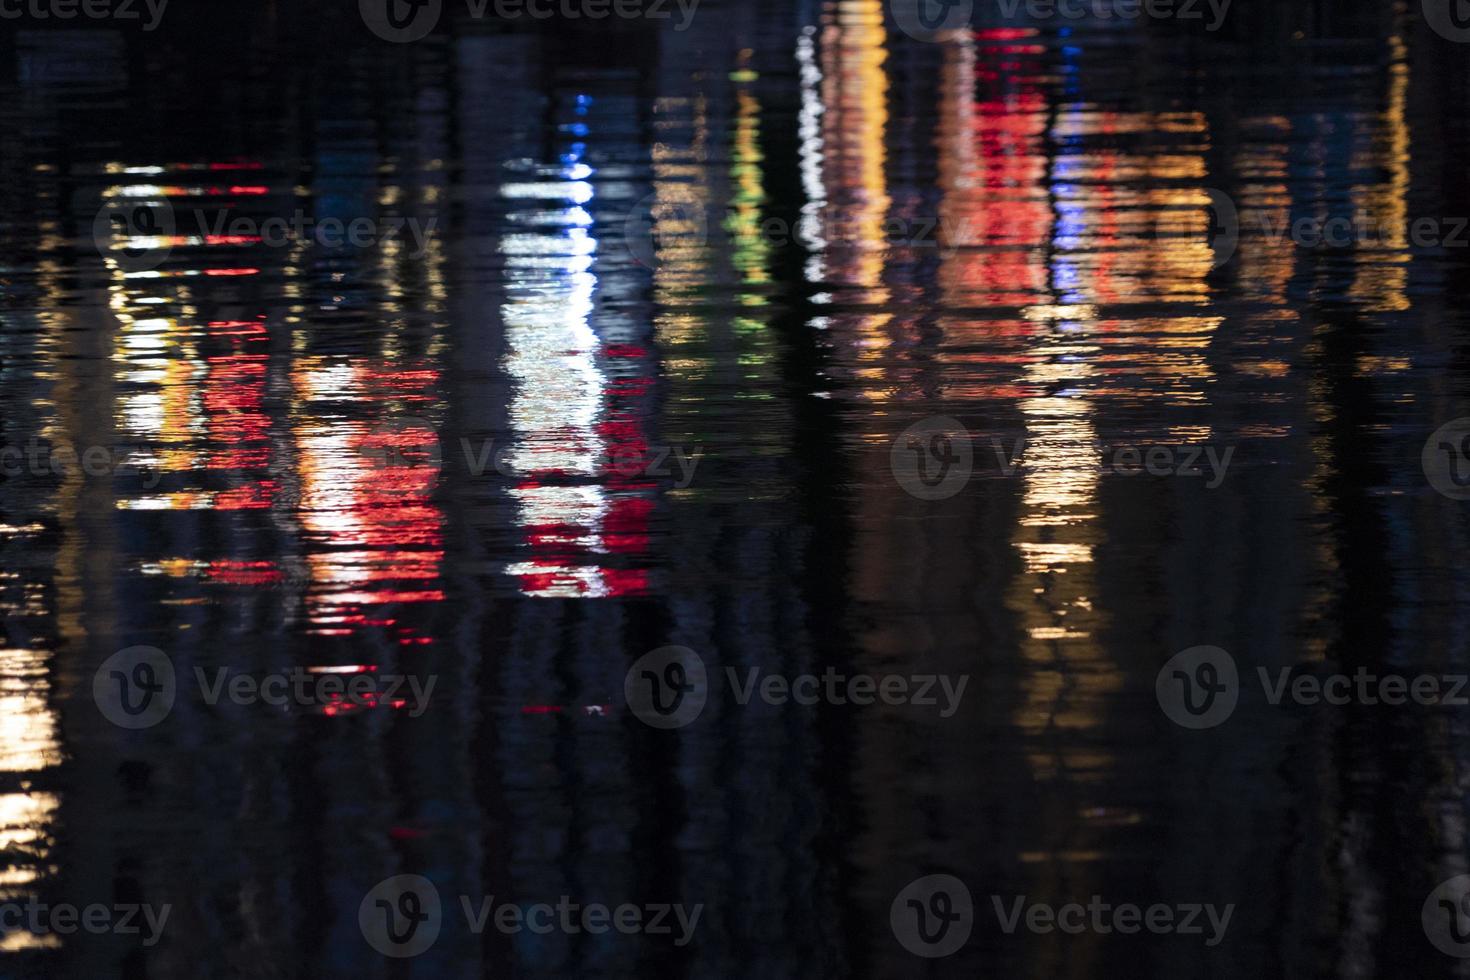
x: 853, y: 231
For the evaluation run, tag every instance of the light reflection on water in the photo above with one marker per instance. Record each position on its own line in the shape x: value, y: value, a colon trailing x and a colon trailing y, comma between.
x: 1071, y: 297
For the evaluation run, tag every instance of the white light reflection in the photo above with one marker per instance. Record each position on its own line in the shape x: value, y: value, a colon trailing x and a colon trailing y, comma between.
x: 559, y: 389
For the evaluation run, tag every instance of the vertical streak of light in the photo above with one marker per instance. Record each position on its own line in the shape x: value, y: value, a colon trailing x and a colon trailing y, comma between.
x: 811, y: 154
x: 1381, y: 276
x: 560, y: 393
x: 1068, y: 674
x: 854, y: 134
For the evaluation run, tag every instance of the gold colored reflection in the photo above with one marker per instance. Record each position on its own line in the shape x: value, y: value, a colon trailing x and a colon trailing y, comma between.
x: 853, y: 90
x: 29, y: 744
x: 1056, y: 534
x: 28, y: 736
x: 1381, y: 262
x: 854, y: 131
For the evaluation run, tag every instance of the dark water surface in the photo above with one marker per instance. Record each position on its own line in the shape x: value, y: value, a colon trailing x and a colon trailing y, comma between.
x: 307, y: 425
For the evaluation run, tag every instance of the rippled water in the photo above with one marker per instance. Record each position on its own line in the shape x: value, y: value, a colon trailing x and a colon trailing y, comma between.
x: 622, y: 363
